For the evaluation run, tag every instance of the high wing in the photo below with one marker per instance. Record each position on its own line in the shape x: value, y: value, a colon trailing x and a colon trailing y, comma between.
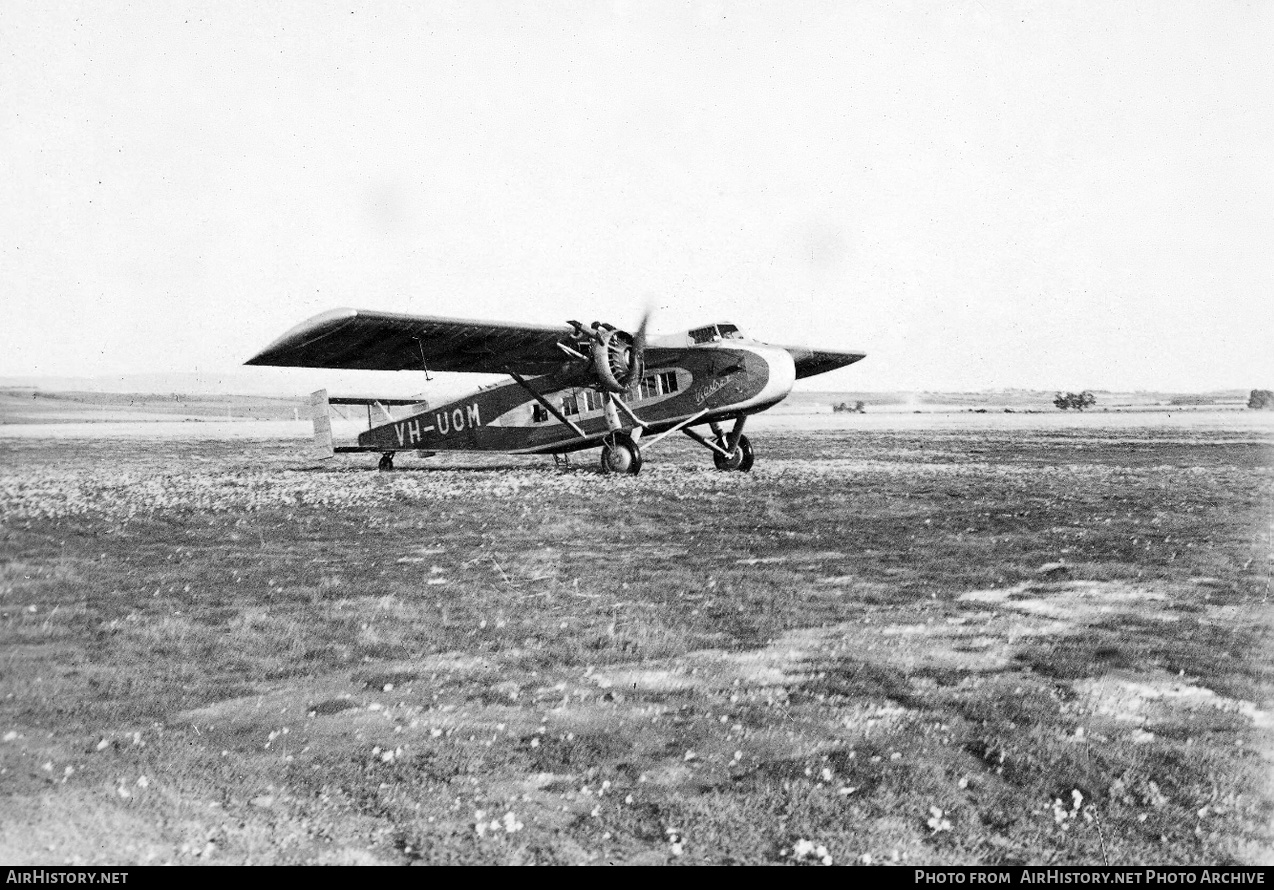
x: 358, y: 339
x: 819, y: 361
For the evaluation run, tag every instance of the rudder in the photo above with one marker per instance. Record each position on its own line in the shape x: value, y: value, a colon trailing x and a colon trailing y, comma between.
x: 322, y: 448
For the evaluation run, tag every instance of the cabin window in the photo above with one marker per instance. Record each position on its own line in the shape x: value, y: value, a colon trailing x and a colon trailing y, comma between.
x: 570, y: 406
x: 729, y: 332
x: 657, y: 385
x: 539, y: 414
x: 592, y: 400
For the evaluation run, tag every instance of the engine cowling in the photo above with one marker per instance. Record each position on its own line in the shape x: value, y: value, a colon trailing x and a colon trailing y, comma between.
x: 617, y: 361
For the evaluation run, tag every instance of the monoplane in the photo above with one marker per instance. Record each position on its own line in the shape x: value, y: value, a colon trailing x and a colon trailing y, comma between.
x: 571, y: 386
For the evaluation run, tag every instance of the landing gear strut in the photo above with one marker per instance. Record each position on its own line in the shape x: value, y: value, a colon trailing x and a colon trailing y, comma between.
x: 740, y: 458
x: 386, y: 462
x: 729, y: 452
x: 621, y: 454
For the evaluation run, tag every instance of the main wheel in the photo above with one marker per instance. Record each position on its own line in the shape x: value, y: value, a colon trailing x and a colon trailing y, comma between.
x: 620, y: 454
x: 740, y: 460
x: 386, y: 462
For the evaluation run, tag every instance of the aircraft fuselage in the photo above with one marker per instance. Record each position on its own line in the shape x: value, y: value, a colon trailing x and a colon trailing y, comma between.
x: 720, y: 381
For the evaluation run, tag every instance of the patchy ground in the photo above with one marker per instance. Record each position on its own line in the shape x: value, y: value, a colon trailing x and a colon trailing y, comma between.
x: 914, y: 646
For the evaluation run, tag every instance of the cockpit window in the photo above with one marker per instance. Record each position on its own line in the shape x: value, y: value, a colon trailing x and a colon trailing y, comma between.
x: 716, y: 332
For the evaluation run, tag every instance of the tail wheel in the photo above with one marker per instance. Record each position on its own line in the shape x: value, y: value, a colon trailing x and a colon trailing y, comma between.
x: 620, y: 454
x: 386, y: 462
x: 741, y: 459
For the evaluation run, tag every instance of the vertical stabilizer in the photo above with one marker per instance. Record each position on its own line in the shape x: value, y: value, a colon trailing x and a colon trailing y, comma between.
x: 322, y: 449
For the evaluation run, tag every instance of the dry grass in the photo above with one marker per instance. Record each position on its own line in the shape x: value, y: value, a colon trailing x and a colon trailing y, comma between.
x: 212, y: 652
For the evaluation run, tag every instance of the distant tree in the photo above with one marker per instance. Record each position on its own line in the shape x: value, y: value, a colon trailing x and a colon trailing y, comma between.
x: 1077, y: 400
x: 1261, y: 400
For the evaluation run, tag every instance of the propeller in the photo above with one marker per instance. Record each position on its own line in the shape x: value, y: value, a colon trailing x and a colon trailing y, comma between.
x: 639, y: 340
x: 637, y: 354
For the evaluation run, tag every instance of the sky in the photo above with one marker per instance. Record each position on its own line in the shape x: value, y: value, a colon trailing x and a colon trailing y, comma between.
x: 979, y: 195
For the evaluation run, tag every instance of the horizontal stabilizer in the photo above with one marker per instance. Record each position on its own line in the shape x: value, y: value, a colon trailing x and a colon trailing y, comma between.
x: 359, y: 400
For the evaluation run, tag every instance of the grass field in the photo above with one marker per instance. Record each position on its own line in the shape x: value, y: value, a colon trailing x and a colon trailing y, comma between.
x: 951, y: 645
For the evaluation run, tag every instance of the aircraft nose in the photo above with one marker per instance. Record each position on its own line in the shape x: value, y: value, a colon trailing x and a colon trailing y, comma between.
x: 781, y: 375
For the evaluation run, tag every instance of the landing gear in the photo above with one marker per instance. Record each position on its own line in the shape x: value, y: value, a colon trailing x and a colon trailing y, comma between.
x: 386, y: 462
x: 621, y: 454
x: 740, y: 459
x: 729, y: 452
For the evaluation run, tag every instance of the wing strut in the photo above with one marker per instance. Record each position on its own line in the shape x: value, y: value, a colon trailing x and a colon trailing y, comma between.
x: 629, y: 411
x: 681, y: 426
x: 711, y: 446
x: 517, y: 378
x: 424, y: 364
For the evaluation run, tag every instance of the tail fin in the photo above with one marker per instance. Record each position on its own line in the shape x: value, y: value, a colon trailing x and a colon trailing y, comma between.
x: 322, y: 449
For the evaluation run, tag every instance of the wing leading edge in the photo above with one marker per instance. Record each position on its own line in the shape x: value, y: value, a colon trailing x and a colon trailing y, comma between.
x: 358, y: 339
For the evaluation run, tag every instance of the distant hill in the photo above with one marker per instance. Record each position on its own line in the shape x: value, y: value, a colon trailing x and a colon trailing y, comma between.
x: 46, y: 403
x: 1012, y: 399
x: 30, y: 405
x: 298, y: 382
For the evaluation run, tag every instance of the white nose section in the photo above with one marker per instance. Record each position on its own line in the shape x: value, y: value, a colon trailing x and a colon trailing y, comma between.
x: 782, y: 374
